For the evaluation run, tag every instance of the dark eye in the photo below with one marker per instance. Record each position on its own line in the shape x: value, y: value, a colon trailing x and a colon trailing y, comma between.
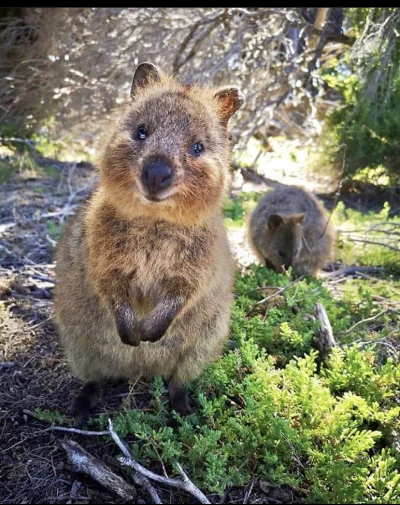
x: 141, y: 133
x: 197, y: 149
x: 281, y: 254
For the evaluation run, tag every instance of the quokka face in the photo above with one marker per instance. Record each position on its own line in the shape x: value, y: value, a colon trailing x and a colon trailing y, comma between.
x: 282, y: 238
x: 171, y: 148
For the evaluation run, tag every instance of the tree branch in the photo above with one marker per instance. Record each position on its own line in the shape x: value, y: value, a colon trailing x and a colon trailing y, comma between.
x: 279, y: 292
x: 97, y: 470
x: 184, y: 484
x: 368, y: 319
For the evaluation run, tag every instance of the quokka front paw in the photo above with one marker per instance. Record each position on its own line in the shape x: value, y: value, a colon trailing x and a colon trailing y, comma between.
x: 151, y: 330
x: 127, y: 326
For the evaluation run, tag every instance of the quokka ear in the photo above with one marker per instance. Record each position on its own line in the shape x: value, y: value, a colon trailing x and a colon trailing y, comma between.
x: 229, y: 101
x: 274, y: 221
x: 298, y: 218
x: 145, y: 75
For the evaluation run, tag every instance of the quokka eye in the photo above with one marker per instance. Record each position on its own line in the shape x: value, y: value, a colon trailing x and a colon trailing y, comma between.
x: 141, y: 133
x: 281, y: 254
x: 197, y: 149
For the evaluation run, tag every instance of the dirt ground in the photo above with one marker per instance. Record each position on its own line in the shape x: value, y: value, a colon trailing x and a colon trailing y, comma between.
x: 33, y: 372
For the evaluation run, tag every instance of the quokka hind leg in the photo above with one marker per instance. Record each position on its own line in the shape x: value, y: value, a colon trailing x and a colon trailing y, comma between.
x: 84, y: 402
x: 188, y: 369
x: 179, y: 398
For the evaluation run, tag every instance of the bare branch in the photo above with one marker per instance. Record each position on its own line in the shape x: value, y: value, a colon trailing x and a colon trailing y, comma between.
x: 6, y: 364
x: 352, y: 270
x: 279, y: 292
x: 325, y: 340
x: 97, y: 470
x: 67, y: 430
x: 184, y: 484
x: 367, y: 320
x: 383, y: 244
x: 141, y: 480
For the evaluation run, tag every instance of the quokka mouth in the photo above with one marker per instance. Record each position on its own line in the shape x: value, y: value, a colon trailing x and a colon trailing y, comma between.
x: 161, y: 196
x: 156, y: 198
x: 153, y: 198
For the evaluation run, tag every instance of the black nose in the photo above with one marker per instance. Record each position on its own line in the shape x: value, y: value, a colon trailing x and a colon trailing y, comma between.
x: 156, y: 174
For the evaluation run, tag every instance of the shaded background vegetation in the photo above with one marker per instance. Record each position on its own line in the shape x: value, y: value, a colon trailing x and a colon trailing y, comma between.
x: 65, y: 70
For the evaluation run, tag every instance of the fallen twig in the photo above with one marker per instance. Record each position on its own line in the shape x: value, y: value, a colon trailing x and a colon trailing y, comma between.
x: 7, y: 364
x: 137, y: 476
x: 280, y: 291
x: 248, y: 492
x: 67, y: 430
x: 325, y: 340
x: 367, y: 320
x: 43, y: 278
x: 141, y: 480
x: 97, y: 470
x: 76, y: 486
x: 385, y: 341
x: 352, y: 270
x: 383, y: 244
x: 186, y: 484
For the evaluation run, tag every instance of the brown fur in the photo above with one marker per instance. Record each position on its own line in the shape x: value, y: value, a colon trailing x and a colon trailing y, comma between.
x: 289, y: 227
x: 155, y: 275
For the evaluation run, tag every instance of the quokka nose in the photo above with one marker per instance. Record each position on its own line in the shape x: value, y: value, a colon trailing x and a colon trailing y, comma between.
x: 156, y: 175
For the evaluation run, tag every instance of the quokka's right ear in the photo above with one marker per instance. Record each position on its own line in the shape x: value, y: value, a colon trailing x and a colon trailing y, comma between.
x: 274, y: 220
x: 145, y: 75
x: 229, y: 101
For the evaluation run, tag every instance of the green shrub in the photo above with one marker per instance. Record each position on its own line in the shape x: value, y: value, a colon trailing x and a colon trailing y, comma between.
x: 269, y: 408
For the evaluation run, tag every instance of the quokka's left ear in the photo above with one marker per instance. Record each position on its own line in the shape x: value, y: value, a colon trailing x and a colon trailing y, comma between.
x: 229, y: 101
x: 145, y: 74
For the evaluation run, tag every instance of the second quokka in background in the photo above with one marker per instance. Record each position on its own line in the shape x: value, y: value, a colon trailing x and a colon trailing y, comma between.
x: 144, y: 271
x: 290, y: 228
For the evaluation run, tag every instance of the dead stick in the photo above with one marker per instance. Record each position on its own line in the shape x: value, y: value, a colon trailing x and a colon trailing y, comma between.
x: 6, y: 364
x: 184, y: 484
x: 280, y: 291
x: 389, y: 246
x: 43, y: 278
x: 142, y: 481
x: 97, y: 470
x: 139, y: 477
x: 325, y: 340
x: 351, y: 271
x: 363, y: 321
x: 67, y: 430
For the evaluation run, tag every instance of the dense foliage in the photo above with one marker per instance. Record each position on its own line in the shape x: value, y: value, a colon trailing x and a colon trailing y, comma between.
x: 367, y: 77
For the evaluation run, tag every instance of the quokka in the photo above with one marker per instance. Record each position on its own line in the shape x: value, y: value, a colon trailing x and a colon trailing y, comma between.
x: 290, y: 227
x: 144, y: 271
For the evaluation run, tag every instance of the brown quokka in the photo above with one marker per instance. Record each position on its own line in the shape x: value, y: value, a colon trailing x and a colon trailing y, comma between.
x: 144, y: 271
x: 290, y: 227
